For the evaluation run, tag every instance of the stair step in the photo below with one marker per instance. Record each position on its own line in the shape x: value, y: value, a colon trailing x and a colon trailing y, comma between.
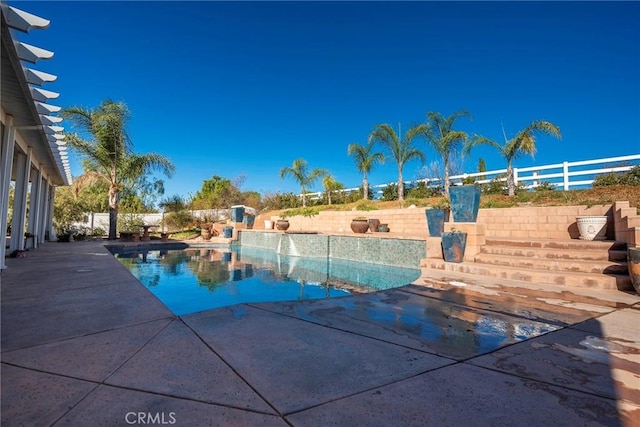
x: 587, y: 280
x: 554, y: 253
x: 557, y: 243
x: 554, y: 264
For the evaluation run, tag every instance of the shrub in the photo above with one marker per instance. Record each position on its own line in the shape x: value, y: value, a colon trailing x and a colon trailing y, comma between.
x: 545, y: 186
x: 366, y: 206
x: 422, y: 191
x: 278, y: 201
x: 390, y: 193
x: 631, y: 177
x: 98, y: 232
x: 179, y: 220
x: 495, y: 186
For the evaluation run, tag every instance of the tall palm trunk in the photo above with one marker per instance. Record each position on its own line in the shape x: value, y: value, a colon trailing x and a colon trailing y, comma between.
x: 304, y: 197
x: 365, y: 187
x: 511, y: 184
x: 446, y: 176
x: 114, y: 193
x: 400, y: 184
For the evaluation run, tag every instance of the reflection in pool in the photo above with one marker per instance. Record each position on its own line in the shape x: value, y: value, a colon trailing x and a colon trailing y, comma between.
x: 192, y: 280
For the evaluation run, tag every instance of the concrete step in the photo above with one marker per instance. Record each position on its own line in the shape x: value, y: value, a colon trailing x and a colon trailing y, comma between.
x: 566, y: 265
x: 554, y: 253
x: 572, y: 244
x: 579, y: 279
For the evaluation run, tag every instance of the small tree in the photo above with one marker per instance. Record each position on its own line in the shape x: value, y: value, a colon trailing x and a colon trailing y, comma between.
x: 401, y: 149
x: 444, y: 139
x: 305, y: 177
x: 365, y: 160
x: 523, y: 142
x: 330, y: 185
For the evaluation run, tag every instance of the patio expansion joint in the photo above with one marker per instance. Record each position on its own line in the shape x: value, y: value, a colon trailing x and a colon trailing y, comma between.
x: 535, y: 380
x: 89, y: 334
x: 275, y: 410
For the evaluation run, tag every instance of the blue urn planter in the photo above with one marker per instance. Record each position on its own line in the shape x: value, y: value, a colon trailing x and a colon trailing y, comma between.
x: 453, y: 246
x: 465, y: 202
x: 435, y: 221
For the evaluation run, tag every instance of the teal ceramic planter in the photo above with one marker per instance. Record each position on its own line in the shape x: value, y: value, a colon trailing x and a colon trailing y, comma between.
x: 453, y: 246
x: 465, y: 202
x: 435, y: 221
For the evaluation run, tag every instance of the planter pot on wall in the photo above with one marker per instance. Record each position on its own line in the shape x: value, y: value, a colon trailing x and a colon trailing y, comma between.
x: 359, y: 225
x: 374, y: 224
x: 282, y: 224
x: 592, y: 227
x: 453, y: 246
x: 435, y: 221
x: 268, y: 224
x: 383, y: 228
x: 633, y: 264
x: 465, y: 202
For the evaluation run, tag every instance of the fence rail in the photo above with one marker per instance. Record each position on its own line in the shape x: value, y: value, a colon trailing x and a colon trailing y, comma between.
x: 560, y: 175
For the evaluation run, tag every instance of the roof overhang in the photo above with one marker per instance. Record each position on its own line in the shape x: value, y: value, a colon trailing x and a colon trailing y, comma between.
x: 31, y: 114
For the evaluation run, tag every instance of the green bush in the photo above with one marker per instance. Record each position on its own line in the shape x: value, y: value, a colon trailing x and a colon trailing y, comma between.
x: 279, y: 201
x: 366, y: 206
x: 495, y: 186
x: 422, y: 191
x: 631, y: 177
x: 98, y: 232
x: 545, y: 186
x: 390, y: 193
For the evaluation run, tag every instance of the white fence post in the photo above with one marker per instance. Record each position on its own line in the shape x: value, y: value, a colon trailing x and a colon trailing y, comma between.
x: 515, y: 177
x: 565, y: 175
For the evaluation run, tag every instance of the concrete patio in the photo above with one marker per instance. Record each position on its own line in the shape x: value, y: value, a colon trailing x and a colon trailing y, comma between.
x: 84, y: 343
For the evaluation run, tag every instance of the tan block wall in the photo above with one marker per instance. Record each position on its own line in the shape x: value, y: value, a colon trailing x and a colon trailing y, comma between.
x: 554, y: 222
x: 410, y: 222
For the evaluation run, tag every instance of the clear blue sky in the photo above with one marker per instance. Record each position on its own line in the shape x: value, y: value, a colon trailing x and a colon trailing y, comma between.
x: 244, y: 88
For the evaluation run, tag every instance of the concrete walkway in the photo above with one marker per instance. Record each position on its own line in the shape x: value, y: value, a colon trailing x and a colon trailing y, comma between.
x: 85, y: 344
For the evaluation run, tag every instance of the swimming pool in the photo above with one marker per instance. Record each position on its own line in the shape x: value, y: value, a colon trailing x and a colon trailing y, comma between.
x: 196, y: 279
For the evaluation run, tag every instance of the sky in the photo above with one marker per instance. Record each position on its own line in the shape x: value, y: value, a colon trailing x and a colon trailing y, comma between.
x: 245, y: 88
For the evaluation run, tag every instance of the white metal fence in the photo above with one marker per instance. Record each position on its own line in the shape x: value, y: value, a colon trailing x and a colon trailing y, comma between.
x: 563, y: 175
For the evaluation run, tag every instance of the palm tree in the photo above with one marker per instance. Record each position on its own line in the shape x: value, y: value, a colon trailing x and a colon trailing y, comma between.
x: 330, y: 185
x: 523, y: 142
x: 401, y: 149
x: 306, y: 178
x: 109, y: 150
x: 365, y: 160
x: 444, y: 139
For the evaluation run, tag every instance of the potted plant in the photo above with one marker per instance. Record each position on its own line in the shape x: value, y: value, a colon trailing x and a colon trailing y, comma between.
x: 592, y: 227
x: 282, y: 223
x: 465, y: 202
x: 383, y: 228
x: 633, y: 264
x: 454, y: 243
x: 374, y: 223
x: 359, y: 224
x: 437, y: 216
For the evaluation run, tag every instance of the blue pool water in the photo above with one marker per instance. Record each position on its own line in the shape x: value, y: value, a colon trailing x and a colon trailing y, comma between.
x: 192, y: 280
